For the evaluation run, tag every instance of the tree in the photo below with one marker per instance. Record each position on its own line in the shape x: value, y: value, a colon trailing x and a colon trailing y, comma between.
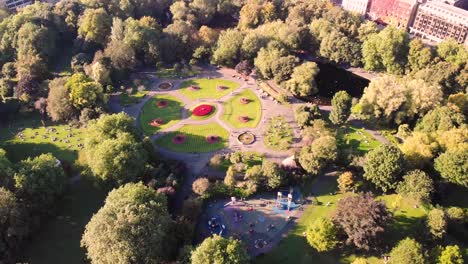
x: 227, y: 51
x: 419, y: 56
x: 451, y: 51
x: 451, y: 255
x: 302, y: 80
x: 321, y: 235
x: 217, y: 249
x: 363, y: 219
x: 306, y: 115
x: 254, y: 174
x: 200, y: 186
x: 59, y: 106
x: 266, y: 57
x: 27, y: 86
x: 341, y: 108
x: 283, y: 68
x: 121, y: 54
x: 407, y: 250
x: 456, y: 214
x: 453, y: 167
x: 110, y: 126
x: 439, y: 119
x: 6, y: 170
x: 84, y: 93
x: 419, y: 149
x: 315, y: 157
x: 386, y: 50
x: 443, y: 74
x: 345, y: 182
x: 340, y: 49
x: 40, y: 180
x: 272, y: 172
x: 383, y: 166
x: 437, y: 223
x: 95, y: 25
x: 230, y: 178
x: 244, y: 68
x: 417, y: 185
x: 132, y: 226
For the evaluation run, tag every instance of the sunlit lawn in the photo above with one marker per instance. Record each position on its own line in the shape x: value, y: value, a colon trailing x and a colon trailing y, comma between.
x: 295, y: 249
x: 38, y: 141
x: 171, y: 114
x: 208, y: 88
x: 356, y: 140
x: 196, y: 138
x: 233, y: 108
x: 279, y: 134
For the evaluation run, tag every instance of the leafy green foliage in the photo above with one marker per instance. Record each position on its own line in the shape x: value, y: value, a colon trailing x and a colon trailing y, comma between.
x: 95, y: 25
x: 437, y: 223
x: 302, y: 80
x: 384, y: 166
x: 453, y: 167
x: 322, y: 235
x: 217, y: 249
x: 317, y: 156
x: 407, y: 250
x: 417, y: 185
x: 132, y: 226
x: 84, y: 93
x: 440, y: 119
x: 451, y: 255
x: 341, y: 103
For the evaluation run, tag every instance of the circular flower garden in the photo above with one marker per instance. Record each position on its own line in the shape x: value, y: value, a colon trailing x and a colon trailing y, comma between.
x: 162, y: 103
x: 202, y: 110
x: 212, y: 139
x: 179, y: 139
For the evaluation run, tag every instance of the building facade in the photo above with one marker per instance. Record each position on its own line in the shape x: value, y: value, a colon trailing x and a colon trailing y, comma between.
x: 437, y: 21
x: 399, y: 13
x: 14, y: 4
x: 356, y: 6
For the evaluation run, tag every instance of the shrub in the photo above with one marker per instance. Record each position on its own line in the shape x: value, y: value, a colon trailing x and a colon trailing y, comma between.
x: 321, y: 235
x: 345, y: 182
x: 200, y: 186
x: 456, y: 214
x: 437, y: 223
x: 216, y: 160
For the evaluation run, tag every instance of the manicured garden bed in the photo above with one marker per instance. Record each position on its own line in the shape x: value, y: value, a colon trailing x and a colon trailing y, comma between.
x: 202, y: 111
x: 197, y: 137
x: 208, y: 88
x: 279, y: 134
x: 246, y: 104
x: 164, y: 108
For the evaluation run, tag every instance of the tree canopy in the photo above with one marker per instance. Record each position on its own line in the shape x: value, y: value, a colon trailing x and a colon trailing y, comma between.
x: 384, y: 166
x: 217, y: 249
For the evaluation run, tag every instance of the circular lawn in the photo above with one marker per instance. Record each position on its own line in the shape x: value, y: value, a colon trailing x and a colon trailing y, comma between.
x: 160, y: 112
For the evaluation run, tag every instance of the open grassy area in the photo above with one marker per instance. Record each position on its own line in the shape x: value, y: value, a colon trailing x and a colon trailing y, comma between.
x: 295, y: 249
x: 279, y: 134
x: 170, y: 73
x: 171, y: 114
x: 58, y: 240
x: 208, y: 88
x: 233, y: 108
x: 194, y: 117
x: 196, y: 138
x: 61, y: 140
x: 126, y: 99
x: 356, y: 140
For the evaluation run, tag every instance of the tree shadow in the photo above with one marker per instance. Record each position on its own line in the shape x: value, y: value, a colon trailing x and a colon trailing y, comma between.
x: 174, y: 111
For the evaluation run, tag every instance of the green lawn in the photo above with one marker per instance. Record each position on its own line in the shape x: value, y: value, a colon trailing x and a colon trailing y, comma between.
x: 208, y: 88
x: 170, y: 73
x: 295, y: 249
x: 194, y: 117
x: 356, y: 140
x: 171, y: 114
x: 279, y: 134
x: 126, y: 99
x: 64, y: 147
x: 58, y: 240
x: 196, y: 138
x: 233, y: 108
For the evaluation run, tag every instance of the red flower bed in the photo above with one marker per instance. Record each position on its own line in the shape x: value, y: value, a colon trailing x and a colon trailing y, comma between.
x: 157, y: 122
x: 244, y: 100
x: 222, y: 88
x: 179, y: 139
x: 194, y: 88
x: 202, y: 110
x: 212, y: 139
x: 162, y: 103
x: 243, y: 119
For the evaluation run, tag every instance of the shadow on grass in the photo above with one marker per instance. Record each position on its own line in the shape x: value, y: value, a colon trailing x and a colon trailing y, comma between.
x: 17, y: 151
x: 169, y: 114
x: 194, y: 143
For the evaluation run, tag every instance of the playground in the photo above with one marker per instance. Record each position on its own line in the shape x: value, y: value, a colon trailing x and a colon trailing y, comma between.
x: 259, y: 222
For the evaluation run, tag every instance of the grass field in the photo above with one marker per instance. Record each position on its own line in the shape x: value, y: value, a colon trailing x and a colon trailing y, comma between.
x: 194, y: 117
x: 208, y: 88
x: 171, y: 114
x: 279, y: 134
x: 233, y: 108
x: 170, y: 73
x: 295, y: 249
x: 126, y: 99
x: 58, y: 240
x: 37, y: 141
x: 356, y: 140
x: 196, y: 138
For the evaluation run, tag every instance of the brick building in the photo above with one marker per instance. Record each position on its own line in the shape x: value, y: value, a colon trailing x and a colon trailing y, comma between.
x: 437, y: 21
x: 356, y: 6
x: 399, y: 13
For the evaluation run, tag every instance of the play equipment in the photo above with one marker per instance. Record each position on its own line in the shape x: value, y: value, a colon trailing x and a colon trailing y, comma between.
x: 285, y: 203
x: 216, y: 226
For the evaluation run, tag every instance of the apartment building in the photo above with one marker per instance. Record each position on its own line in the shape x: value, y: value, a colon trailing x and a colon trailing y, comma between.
x: 399, y: 13
x: 356, y: 6
x: 436, y: 21
x: 14, y: 4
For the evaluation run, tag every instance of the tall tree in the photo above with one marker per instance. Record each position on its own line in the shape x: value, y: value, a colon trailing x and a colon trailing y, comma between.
x: 95, y: 26
x: 417, y: 185
x: 302, y: 80
x: 131, y: 227
x: 453, y: 52
x: 437, y: 223
x: 84, y: 92
x: 227, y: 51
x: 363, y: 219
x: 453, y: 167
x: 451, y: 255
x: 419, y: 56
x: 217, y: 249
x: 317, y: 156
x: 407, y: 250
x: 321, y: 235
x: 59, y: 106
x: 384, y: 166
x: 341, y: 108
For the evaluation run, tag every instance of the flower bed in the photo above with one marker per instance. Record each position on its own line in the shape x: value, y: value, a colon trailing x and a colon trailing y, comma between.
x: 179, y: 139
x: 243, y: 119
x: 211, y: 139
x: 165, y: 86
x: 244, y: 100
x: 246, y: 138
x: 162, y: 103
x: 157, y: 122
x: 222, y: 87
x: 202, y: 110
x: 194, y: 88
